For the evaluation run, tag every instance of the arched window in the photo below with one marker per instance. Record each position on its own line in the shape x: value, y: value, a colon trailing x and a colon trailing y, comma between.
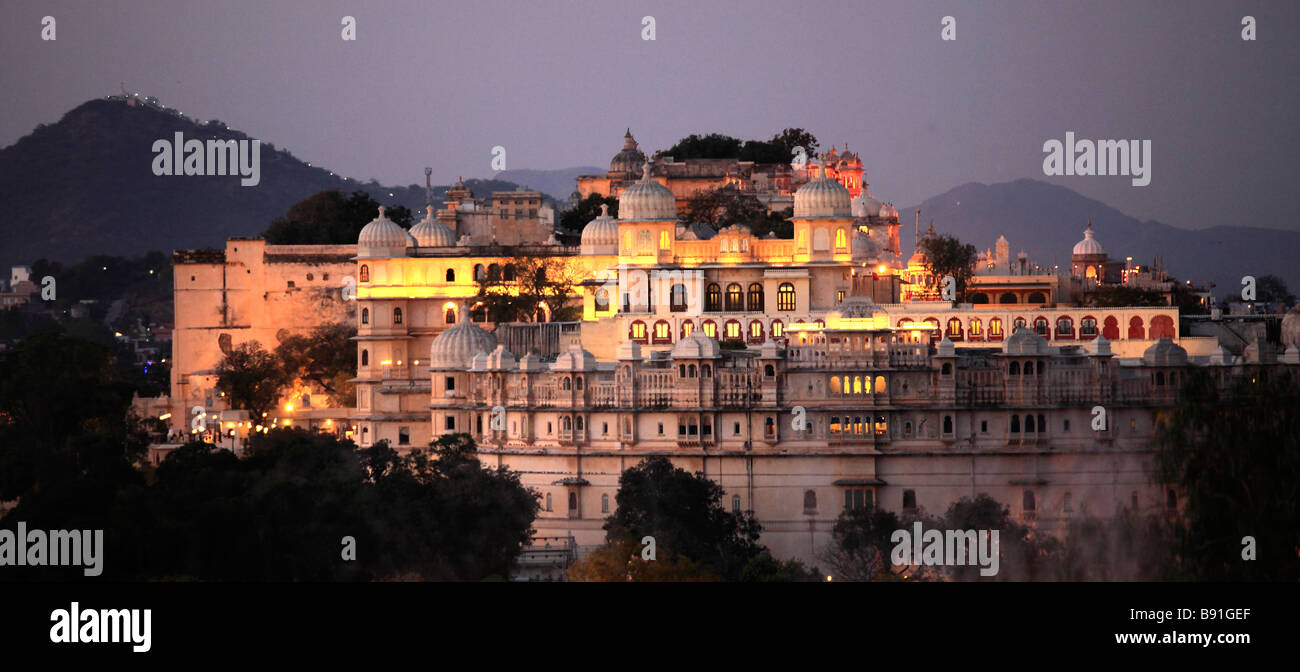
x: 880, y: 384
x: 1015, y: 424
x: 976, y: 329
x: 835, y: 384
x: 841, y: 241
x: 1014, y: 368
x: 785, y: 299
x: 565, y: 423
x: 954, y: 328
x: 907, y: 430
x: 688, y: 328
x: 451, y: 275
x: 365, y: 273
x: 548, y: 502
x: 1064, y: 327
x: 677, y: 298
x: 809, y: 500
x: 947, y: 424
x: 365, y: 316
x: 1040, y: 326
x: 1111, y: 328
x: 1029, y: 368
x: 478, y: 272
x: 450, y: 316
x: 755, y: 297
x: 365, y: 358
x: 1160, y: 377
x: 494, y: 272
x: 1088, y: 327
x: 665, y: 240
x: 1037, y: 297
x: 710, y: 328
x: 1162, y: 326
x: 663, y: 332
x: 1171, y: 499
x: 995, y: 328
x: 1007, y: 297
x: 509, y: 275
x: 733, y: 330
x: 713, y: 297
x: 769, y: 370
x: 397, y: 316
x: 1042, y: 424
x: 979, y: 298
x: 755, y: 331
x: 564, y: 383
x: 638, y: 332
x: 1135, y: 328
x: 577, y: 382
x: 604, y: 503
x: 1029, y: 424
x: 857, y: 385
x: 735, y: 300
x: 909, y: 499
x: 707, y: 369
x: 690, y: 371
x: 947, y: 368
x: 778, y: 329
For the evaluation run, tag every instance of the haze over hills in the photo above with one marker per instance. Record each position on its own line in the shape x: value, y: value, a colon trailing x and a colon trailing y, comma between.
x: 1046, y: 220
x: 84, y: 186
x: 557, y: 183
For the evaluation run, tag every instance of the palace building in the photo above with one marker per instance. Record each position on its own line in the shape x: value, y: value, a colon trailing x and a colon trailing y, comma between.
x: 794, y: 372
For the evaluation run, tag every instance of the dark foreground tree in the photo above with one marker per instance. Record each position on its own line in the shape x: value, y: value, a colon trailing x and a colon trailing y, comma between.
x: 325, y: 358
x: 1234, y: 453
x: 947, y: 256
x: 330, y: 218
x: 252, y: 378
x: 684, y: 514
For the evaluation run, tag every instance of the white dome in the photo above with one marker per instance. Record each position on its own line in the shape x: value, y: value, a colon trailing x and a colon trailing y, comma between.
x: 1026, y: 341
x: 575, y: 359
x: 600, y: 236
x: 629, y: 158
x: 822, y: 197
x: 1291, y: 328
x: 430, y: 232
x: 863, y: 247
x: 1165, y: 352
x: 383, y: 238
x: 456, y: 347
x: 697, y: 346
x: 888, y: 211
x: 647, y: 200
x: 864, y: 205
x: 1089, y: 245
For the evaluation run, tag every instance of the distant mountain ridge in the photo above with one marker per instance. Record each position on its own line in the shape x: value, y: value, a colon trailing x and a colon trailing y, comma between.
x: 1046, y: 220
x: 84, y: 185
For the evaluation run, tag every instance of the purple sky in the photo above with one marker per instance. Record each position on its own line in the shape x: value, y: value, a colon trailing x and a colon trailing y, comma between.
x: 555, y: 83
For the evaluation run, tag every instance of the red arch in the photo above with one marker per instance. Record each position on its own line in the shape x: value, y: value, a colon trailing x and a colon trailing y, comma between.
x: 1162, y: 326
x: 1110, y: 328
x: 1135, y: 329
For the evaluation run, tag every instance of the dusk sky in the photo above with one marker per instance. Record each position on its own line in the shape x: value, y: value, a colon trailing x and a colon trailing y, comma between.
x: 556, y: 83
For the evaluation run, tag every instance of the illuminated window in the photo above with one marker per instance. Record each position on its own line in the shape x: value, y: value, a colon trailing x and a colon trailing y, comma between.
x: 975, y: 328
x: 710, y: 329
x: 756, y: 332
x: 778, y: 329
x: 713, y: 297
x: 665, y: 240
x: 663, y: 332
x: 785, y: 297
x: 803, y: 240
x: 835, y: 384
x: 365, y: 273
x: 688, y: 328
x: 733, y: 330
x: 638, y: 331
x: 756, y: 297
x: 839, y: 296
x: 627, y: 242
x: 840, y: 239
x: 995, y: 327
x: 677, y: 298
x: 735, y: 299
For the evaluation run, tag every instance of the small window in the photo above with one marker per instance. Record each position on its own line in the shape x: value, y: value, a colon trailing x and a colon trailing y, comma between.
x: 451, y: 275
x: 548, y: 502
x: 1027, y: 501
x: 365, y: 273
x: 809, y: 500
x: 450, y: 383
x: 365, y: 358
x: 604, y: 503
x: 735, y: 503
x: 365, y: 316
x: 397, y: 316
x: 449, y: 423
x: 984, y: 426
x: 404, y: 436
x: 909, y: 499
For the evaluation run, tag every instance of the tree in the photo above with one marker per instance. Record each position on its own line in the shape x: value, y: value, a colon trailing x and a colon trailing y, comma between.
x: 947, y: 256
x: 780, y: 149
x: 1233, y: 451
x: 860, y: 546
x: 711, y: 146
x: 1272, y: 289
x: 329, y: 218
x: 622, y: 561
x: 325, y: 358
x: 684, y: 514
x: 1025, y: 554
x: 791, y: 138
x: 525, y: 284
x: 577, y: 218
x: 251, y: 378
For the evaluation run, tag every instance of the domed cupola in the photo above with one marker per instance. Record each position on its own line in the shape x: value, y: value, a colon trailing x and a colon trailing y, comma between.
x: 863, y: 247
x: 1088, y: 247
x: 456, y: 347
x: 630, y: 159
x: 647, y: 200
x: 1165, y: 352
x: 822, y: 198
x: 865, y: 205
x: 601, y: 234
x: 697, y: 346
x: 382, y: 237
x: 430, y: 232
